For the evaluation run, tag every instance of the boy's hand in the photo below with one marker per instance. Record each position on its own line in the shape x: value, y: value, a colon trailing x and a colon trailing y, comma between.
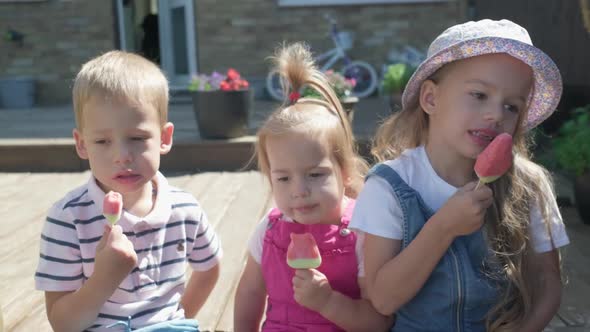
x: 311, y: 289
x: 464, y: 212
x: 115, y: 256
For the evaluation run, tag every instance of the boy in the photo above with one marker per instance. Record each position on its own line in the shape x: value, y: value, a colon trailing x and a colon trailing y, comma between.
x: 130, y: 275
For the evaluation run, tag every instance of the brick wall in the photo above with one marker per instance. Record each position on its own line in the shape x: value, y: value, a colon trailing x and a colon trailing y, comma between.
x: 60, y: 35
x: 242, y: 34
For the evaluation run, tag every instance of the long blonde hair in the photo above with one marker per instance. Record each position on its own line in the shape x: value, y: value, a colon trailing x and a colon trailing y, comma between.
x: 506, y: 221
x: 323, y: 119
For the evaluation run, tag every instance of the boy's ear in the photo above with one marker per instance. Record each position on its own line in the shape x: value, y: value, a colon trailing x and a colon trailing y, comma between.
x: 166, y: 138
x: 428, y: 96
x: 80, y: 144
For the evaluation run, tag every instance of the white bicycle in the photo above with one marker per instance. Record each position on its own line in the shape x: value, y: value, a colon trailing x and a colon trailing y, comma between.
x: 362, y: 72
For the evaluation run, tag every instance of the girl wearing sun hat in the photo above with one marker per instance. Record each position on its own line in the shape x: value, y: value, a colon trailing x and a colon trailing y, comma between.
x: 440, y: 253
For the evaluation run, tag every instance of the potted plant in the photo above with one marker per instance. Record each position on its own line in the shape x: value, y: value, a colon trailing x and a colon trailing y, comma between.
x: 221, y: 104
x: 394, y: 82
x: 342, y: 87
x: 572, y: 152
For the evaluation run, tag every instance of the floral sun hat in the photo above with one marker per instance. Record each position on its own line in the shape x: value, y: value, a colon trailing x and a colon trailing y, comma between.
x: 488, y: 37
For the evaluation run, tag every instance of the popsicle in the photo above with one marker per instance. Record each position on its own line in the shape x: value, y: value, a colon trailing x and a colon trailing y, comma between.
x: 112, y: 207
x: 303, y: 252
x: 495, y: 159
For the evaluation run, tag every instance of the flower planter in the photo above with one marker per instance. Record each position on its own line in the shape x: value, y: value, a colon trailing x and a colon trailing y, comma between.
x: 222, y: 114
x: 348, y: 104
x: 17, y: 92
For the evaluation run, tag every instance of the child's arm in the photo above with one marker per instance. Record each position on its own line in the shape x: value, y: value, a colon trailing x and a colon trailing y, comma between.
x: 312, y: 290
x: 75, y: 311
x: 198, y: 289
x: 250, y: 298
x: 546, y: 288
x: 393, y: 279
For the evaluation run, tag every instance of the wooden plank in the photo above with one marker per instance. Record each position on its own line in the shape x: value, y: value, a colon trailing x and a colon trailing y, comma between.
x: 19, y: 249
x: 179, y: 180
x: 197, y: 184
x: 226, y: 323
x: 575, y: 308
x: 221, y: 190
x: 242, y: 212
x: 24, y: 212
x: 9, y: 179
x: 31, y: 313
x: 34, y: 319
x: 36, y: 192
x: 224, y: 187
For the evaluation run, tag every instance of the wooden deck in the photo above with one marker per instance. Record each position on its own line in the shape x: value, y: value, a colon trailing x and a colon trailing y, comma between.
x: 234, y: 203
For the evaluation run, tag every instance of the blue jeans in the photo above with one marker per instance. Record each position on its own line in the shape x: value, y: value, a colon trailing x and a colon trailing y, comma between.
x: 178, y: 325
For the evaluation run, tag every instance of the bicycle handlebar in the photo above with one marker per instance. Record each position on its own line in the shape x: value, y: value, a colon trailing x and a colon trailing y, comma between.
x: 333, y: 24
x: 330, y: 18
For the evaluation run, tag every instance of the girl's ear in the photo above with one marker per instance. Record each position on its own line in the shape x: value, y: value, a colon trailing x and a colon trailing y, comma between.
x: 346, y: 179
x: 428, y: 96
x: 166, y: 138
x: 80, y: 144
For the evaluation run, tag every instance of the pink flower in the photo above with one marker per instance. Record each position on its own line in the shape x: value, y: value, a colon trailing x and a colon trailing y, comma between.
x: 232, y: 81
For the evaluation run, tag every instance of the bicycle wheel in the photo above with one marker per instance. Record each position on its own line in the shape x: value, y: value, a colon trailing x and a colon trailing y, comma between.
x: 364, y: 75
x: 273, y: 86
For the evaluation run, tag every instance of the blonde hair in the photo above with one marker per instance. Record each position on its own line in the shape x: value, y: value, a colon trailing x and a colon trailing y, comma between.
x: 506, y: 221
x: 324, y: 120
x: 118, y: 74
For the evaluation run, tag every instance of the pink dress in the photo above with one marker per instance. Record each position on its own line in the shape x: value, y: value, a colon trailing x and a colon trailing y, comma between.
x: 339, y: 263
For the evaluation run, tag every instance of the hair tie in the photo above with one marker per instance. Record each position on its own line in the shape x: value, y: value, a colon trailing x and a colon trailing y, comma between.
x: 294, y: 96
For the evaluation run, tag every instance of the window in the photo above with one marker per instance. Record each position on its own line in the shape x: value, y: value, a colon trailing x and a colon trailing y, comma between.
x: 301, y: 3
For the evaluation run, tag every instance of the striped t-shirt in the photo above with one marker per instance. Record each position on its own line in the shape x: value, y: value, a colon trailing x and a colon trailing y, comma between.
x: 175, y: 233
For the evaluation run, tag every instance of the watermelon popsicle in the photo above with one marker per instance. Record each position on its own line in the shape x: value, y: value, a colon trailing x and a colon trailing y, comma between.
x: 495, y: 160
x: 112, y: 206
x: 303, y: 252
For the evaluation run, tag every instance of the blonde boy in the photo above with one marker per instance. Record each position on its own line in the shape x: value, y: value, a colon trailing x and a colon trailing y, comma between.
x: 130, y: 275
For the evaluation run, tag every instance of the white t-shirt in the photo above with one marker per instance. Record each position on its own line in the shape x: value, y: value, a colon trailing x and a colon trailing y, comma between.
x: 257, y: 241
x: 378, y: 212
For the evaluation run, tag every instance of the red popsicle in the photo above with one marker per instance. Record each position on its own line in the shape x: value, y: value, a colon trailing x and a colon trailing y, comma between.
x: 303, y: 252
x: 495, y: 160
x: 112, y: 207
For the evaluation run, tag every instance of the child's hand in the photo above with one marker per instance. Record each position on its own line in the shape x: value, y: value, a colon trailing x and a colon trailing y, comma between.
x: 311, y: 289
x: 115, y: 256
x: 464, y: 212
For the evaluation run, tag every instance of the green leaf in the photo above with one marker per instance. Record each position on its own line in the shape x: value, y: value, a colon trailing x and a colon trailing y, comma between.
x: 572, y: 145
x: 396, y: 77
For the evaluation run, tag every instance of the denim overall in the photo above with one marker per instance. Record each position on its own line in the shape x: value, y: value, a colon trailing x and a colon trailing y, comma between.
x: 459, y: 292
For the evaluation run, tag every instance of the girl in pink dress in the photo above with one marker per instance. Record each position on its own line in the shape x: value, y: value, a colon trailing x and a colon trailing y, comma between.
x: 306, y: 150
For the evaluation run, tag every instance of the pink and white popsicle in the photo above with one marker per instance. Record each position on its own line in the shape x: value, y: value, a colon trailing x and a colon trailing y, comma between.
x: 303, y: 252
x: 495, y: 160
x: 112, y: 207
